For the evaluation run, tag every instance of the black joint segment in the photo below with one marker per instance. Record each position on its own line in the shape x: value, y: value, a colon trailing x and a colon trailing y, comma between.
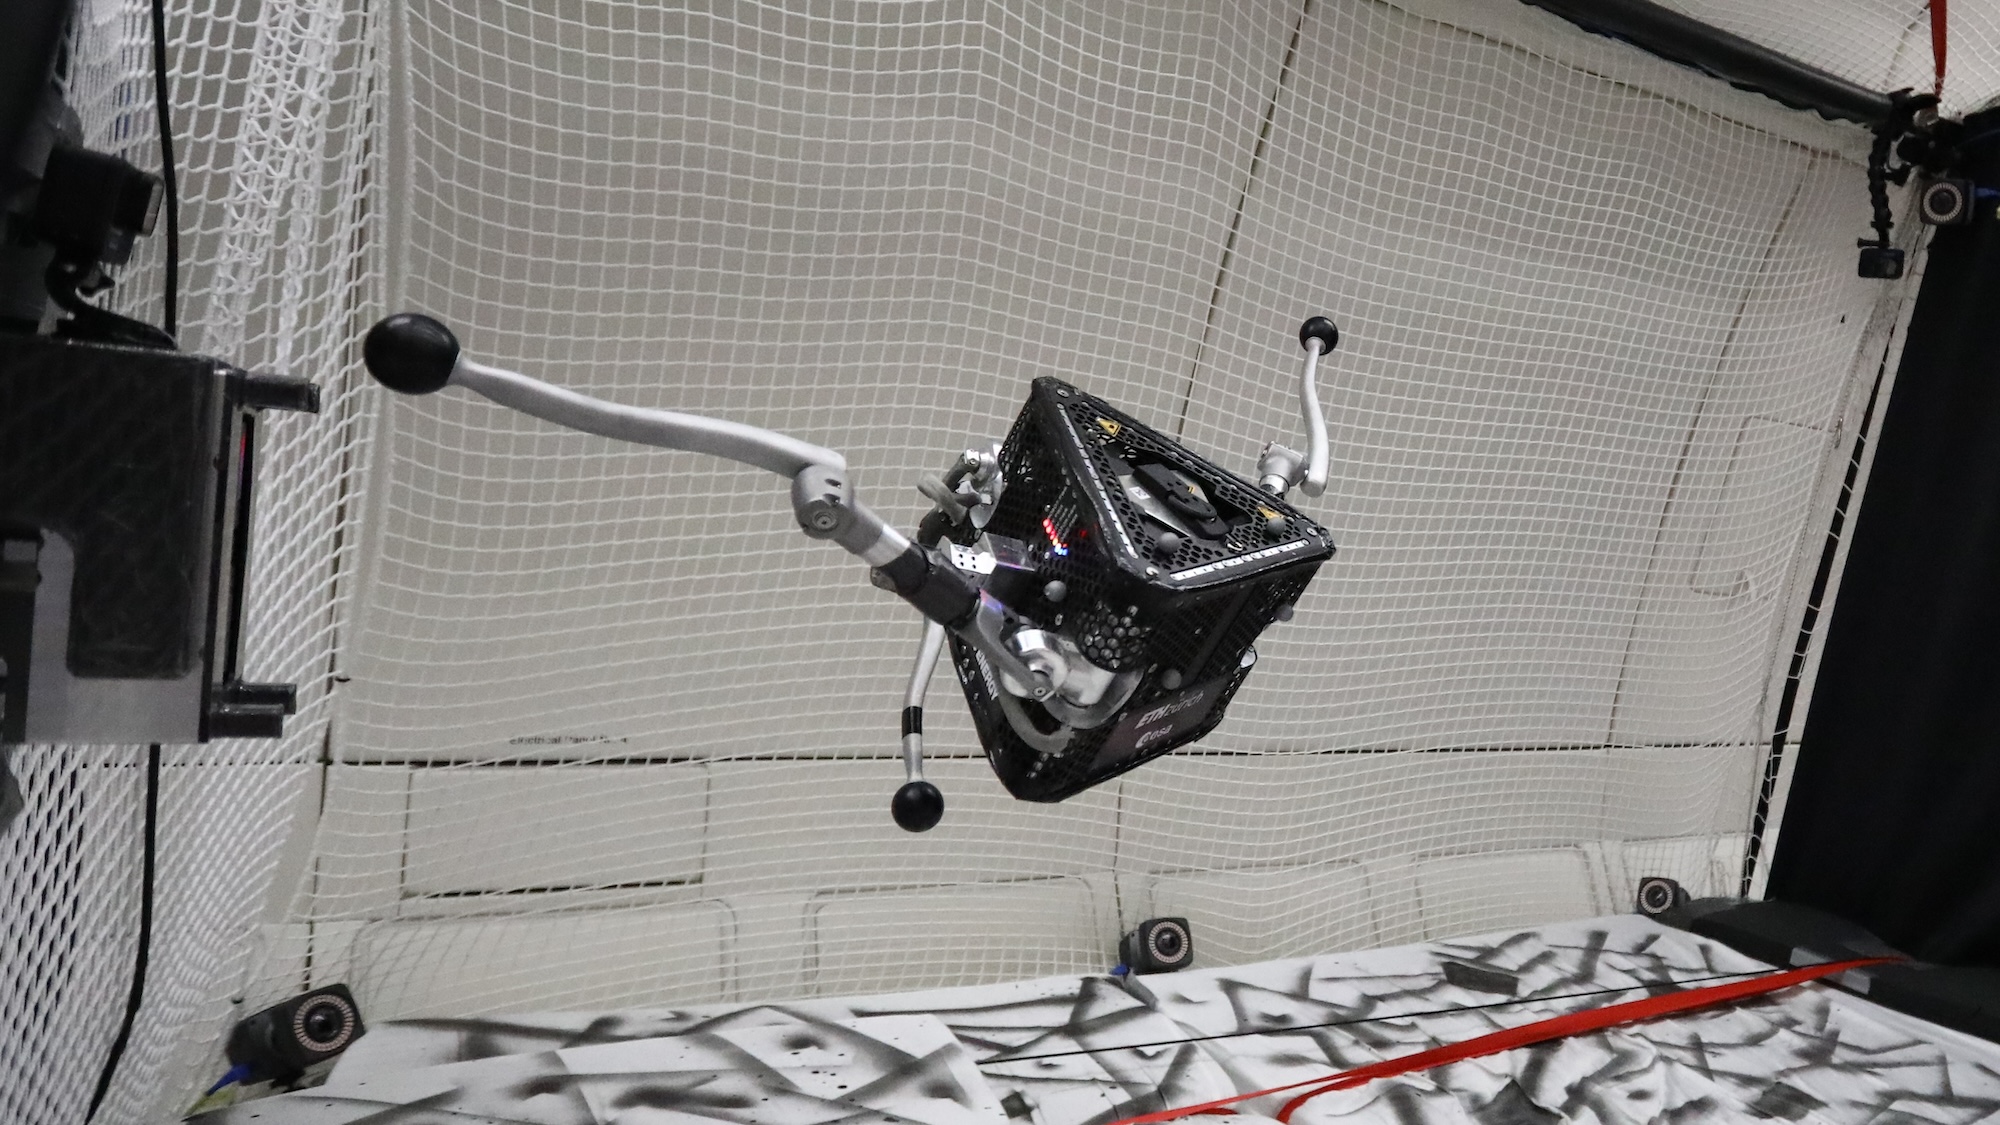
x: 908, y: 572
x: 1908, y: 101
x: 917, y: 806
x: 275, y: 392
x: 410, y: 353
x: 913, y: 721
x: 933, y: 528
x: 1322, y: 329
x: 947, y: 596
x: 938, y: 590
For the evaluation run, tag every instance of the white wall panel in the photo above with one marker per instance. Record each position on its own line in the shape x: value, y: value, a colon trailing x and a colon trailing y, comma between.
x: 512, y: 829
x: 958, y: 935
x: 812, y: 825
x: 603, y: 957
x: 1480, y: 893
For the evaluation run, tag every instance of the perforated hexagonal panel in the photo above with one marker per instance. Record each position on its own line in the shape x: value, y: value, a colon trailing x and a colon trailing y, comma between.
x: 1174, y: 587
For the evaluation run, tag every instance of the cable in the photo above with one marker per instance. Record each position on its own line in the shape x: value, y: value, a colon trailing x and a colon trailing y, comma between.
x: 230, y: 1077
x: 1564, y: 1026
x: 1879, y: 259
x: 1878, y: 185
x: 133, y: 999
x: 164, y: 107
x: 1003, y: 1057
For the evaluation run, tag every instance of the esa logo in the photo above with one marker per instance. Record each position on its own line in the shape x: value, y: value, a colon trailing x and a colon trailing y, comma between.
x: 1166, y: 710
x: 1164, y: 714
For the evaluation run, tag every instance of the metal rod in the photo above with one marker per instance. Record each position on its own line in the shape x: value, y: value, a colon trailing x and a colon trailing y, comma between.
x: 665, y: 429
x: 1738, y: 61
x: 1314, y: 482
x: 920, y: 686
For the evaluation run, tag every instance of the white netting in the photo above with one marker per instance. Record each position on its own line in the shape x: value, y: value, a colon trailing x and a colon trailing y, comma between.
x: 275, y: 137
x: 602, y: 729
x: 1602, y: 331
x: 67, y: 926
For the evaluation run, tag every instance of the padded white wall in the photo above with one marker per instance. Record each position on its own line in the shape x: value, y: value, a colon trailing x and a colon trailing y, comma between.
x: 705, y: 899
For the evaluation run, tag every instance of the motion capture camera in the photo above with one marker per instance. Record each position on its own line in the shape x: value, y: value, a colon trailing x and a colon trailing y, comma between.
x: 1947, y: 202
x: 125, y: 515
x: 1149, y: 573
x: 1659, y: 895
x: 1158, y: 945
x: 279, y: 1043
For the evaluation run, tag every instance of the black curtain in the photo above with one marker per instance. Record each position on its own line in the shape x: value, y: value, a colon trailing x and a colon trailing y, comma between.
x: 1893, y: 819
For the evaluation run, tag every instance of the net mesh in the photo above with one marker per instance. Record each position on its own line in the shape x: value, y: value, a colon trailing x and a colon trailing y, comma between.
x: 274, y: 111
x: 584, y: 725
x: 1601, y: 334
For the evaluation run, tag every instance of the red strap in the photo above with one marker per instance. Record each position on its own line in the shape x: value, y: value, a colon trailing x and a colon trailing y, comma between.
x: 1937, y: 45
x: 1541, y: 1031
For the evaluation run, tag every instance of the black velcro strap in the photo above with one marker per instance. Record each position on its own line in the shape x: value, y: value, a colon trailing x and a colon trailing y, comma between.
x: 937, y: 589
x: 907, y: 572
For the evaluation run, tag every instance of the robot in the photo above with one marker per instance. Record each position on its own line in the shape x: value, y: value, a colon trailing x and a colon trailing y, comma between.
x: 1100, y: 586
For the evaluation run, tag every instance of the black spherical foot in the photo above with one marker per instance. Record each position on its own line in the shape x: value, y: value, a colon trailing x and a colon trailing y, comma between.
x: 410, y: 353
x: 918, y: 807
x: 1321, y: 329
